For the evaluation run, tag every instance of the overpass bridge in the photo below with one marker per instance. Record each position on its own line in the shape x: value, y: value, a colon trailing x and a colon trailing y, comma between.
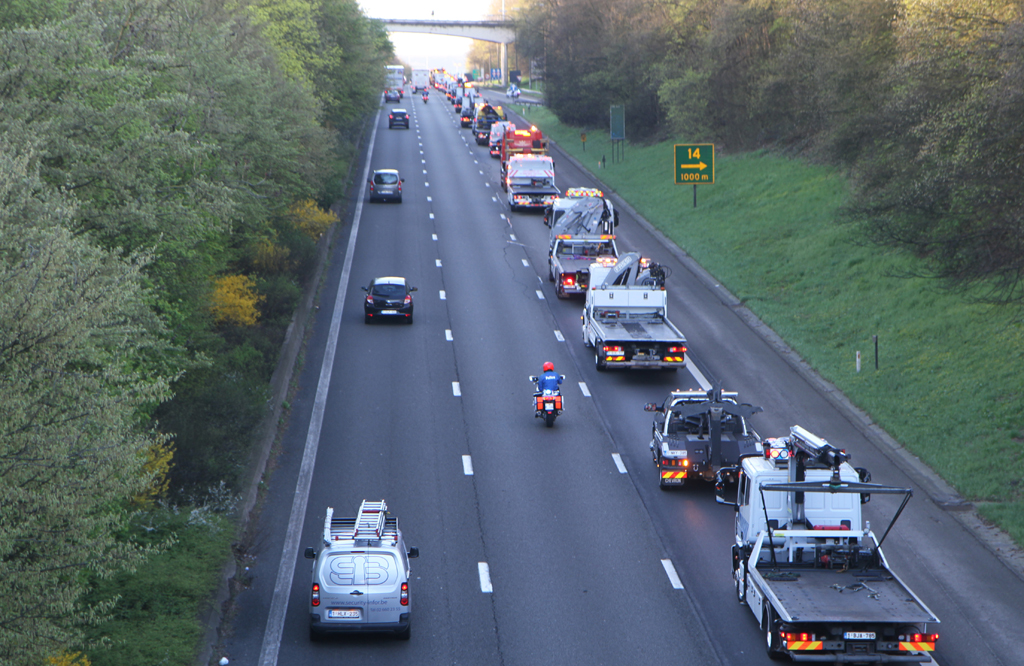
x: 498, y: 30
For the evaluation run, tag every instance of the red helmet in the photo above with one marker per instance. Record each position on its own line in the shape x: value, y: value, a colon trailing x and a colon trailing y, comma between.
x: 549, y: 366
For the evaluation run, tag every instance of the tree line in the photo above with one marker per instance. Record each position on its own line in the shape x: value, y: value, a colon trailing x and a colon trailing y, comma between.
x: 166, y: 168
x: 922, y: 101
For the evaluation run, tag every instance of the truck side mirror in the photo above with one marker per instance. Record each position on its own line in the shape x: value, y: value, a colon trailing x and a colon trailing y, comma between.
x: 616, y: 218
x: 414, y: 552
x: 310, y: 554
x: 865, y: 477
x: 651, y: 407
x: 720, y: 481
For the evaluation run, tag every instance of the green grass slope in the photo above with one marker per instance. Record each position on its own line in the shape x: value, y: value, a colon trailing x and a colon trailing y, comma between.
x: 949, y: 385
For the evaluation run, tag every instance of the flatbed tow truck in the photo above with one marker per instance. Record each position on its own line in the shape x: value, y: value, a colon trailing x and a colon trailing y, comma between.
x: 809, y: 567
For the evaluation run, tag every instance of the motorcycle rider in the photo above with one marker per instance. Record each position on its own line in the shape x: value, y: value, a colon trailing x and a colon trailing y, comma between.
x: 549, y: 380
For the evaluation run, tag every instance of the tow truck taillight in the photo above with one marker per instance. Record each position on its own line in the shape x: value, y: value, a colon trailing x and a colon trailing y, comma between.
x: 568, y: 280
x: 404, y: 598
x: 920, y: 638
x: 677, y: 349
x: 788, y: 636
x: 316, y: 594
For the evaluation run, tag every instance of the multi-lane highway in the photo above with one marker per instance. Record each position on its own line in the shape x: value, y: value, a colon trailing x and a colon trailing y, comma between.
x: 537, y: 545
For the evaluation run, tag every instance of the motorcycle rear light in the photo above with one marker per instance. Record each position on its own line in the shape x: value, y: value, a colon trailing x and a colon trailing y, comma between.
x: 316, y: 594
x: 404, y: 599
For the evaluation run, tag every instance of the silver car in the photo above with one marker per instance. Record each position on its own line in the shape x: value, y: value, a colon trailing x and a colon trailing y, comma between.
x: 386, y: 185
x: 361, y: 575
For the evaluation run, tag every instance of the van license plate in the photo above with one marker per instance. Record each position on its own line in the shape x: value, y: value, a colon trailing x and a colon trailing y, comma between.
x: 389, y: 311
x: 859, y: 635
x: 347, y: 614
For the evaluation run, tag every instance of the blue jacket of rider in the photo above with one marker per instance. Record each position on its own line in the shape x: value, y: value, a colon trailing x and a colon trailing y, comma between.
x: 549, y: 381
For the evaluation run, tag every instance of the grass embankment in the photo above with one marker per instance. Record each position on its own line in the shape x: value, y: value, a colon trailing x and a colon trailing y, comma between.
x: 949, y: 385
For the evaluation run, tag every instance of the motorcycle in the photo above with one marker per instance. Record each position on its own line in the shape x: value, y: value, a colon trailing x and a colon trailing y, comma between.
x: 548, y: 404
x: 426, y: 98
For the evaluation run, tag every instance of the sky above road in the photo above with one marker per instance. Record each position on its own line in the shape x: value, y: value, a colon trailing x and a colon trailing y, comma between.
x: 423, y: 51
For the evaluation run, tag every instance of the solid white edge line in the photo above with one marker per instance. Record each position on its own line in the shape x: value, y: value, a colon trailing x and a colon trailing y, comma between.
x: 584, y: 389
x: 673, y: 577
x: 467, y: 465
x: 286, y: 573
x: 448, y: 334
x: 485, y: 577
x: 699, y: 376
x: 618, y: 463
x: 558, y: 334
x: 456, y: 389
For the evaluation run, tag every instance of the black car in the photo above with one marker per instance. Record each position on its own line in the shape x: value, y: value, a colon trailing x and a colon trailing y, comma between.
x: 466, y: 115
x: 388, y: 297
x: 398, y: 117
x: 386, y: 184
x: 392, y: 96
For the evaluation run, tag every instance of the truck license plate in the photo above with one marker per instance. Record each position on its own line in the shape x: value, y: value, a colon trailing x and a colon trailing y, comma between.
x: 346, y: 614
x: 859, y: 635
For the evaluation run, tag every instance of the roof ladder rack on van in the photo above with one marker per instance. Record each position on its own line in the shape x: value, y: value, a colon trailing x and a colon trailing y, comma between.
x: 371, y: 519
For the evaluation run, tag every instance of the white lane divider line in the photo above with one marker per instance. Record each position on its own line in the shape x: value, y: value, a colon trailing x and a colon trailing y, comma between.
x: 540, y: 295
x: 485, y: 577
x: 586, y: 391
x: 431, y: 215
x: 502, y: 215
x: 512, y: 236
x: 673, y: 577
x: 443, y: 296
x: 481, y: 173
x: 448, y: 334
x: 433, y: 237
x: 699, y: 376
x: 437, y: 262
x: 559, y: 336
x: 467, y: 465
x: 421, y: 152
x: 475, y: 162
x: 423, y: 161
x: 429, y: 199
x: 424, y: 171
x: 487, y: 184
x: 494, y: 199
x: 425, y: 183
x: 526, y: 263
x: 618, y: 463
x: 456, y: 389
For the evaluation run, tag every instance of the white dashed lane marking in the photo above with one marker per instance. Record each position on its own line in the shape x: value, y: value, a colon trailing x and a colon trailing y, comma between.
x: 443, y: 297
x: 448, y: 334
x: 456, y: 389
x: 540, y: 295
x: 429, y: 199
x: 558, y: 334
x: 431, y: 215
x: 433, y: 236
x: 673, y: 577
x: 618, y: 463
x: 467, y: 465
x: 485, y: 577
x: 584, y: 389
x: 526, y: 262
x: 437, y: 262
x: 512, y: 236
x: 494, y: 199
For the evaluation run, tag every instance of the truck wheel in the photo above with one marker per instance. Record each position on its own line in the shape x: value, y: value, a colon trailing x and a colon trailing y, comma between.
x: 551, y: 272
x: 559, y: 289
x: 772, y: 643
x: 601, y: 365
x: 741, y: 583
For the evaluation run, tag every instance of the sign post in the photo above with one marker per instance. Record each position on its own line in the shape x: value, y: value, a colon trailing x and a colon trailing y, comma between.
x: 617, y: 133
x: 694, y: 163
x: 583, y: 138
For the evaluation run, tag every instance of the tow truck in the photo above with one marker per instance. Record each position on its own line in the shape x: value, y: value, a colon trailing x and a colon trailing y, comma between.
x: 696, y: 433
x: 625, y: 316
x: 530, y: 181
x: 582, y: 237
x: 562, y: 204
x: 520, y: 142
x: 485, y: 117
x: 809, y: 567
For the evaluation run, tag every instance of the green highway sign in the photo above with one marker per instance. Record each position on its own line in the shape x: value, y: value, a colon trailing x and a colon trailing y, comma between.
x: 695, y: 164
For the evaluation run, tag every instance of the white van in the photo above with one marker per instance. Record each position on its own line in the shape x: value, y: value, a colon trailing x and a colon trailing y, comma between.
x: 361, y: 575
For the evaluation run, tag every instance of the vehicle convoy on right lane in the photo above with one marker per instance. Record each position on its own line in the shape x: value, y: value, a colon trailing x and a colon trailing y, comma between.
x: 809, y: 567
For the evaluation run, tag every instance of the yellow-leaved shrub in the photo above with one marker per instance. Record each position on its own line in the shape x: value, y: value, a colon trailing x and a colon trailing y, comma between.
x: 308, y: 217
x: 235, y: 301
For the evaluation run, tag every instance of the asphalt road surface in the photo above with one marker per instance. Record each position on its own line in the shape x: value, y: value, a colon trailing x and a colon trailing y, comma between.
x: 537, y: 545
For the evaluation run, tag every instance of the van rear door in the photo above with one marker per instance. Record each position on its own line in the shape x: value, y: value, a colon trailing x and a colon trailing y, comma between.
x: 384, y: 579
x: 345, y: 592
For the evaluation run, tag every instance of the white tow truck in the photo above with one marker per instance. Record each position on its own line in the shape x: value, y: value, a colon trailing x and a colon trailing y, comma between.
x: 625, y: 317
x: 809, y: 567
x: 582, y: 236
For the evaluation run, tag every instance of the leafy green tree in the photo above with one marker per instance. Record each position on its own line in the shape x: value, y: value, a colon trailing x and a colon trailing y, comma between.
x: 73, y: 323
